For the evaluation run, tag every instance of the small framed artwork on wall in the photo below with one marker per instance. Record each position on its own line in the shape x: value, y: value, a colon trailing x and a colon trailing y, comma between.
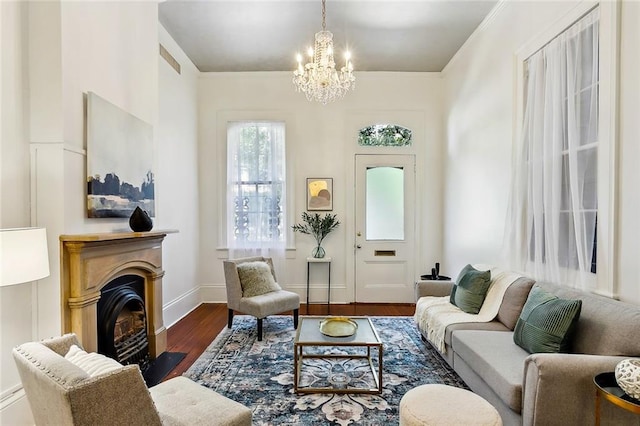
x: 320, y: 194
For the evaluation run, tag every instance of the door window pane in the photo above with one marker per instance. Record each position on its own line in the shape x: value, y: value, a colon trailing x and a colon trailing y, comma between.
x: 385, y: 203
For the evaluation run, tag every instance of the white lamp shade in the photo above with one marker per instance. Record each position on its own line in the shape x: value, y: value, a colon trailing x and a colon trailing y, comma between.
x: 23, y: 255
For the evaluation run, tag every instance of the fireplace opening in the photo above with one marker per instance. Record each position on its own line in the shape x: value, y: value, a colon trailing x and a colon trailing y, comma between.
x: 122, y: 321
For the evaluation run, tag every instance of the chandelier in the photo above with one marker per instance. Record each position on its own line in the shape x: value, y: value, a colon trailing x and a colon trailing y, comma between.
x: 319, y: 79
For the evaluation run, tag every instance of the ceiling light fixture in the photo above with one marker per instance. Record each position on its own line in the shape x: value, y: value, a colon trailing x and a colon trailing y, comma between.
x: 319, y: 79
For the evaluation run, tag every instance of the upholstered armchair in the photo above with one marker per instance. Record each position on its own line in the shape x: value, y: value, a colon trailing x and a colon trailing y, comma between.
x: 67, y: 386
x: 259, y: 299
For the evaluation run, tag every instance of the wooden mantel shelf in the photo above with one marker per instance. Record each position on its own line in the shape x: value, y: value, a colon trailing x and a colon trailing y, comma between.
x: 109, y: 236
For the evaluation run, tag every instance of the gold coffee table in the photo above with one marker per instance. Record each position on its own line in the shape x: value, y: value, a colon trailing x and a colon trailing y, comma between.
x: 311, y: 343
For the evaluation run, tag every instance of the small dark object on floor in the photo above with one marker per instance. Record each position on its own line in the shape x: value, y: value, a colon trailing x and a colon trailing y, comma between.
x: 161, y: 366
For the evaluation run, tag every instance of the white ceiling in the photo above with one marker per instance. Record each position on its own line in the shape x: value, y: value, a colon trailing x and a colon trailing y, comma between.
x: 265, y: 35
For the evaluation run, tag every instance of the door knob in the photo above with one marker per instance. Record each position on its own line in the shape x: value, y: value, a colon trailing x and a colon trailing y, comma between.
x: 358, y: 246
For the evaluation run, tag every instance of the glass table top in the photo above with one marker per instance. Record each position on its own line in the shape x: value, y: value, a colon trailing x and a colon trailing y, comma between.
x: 309, y: 333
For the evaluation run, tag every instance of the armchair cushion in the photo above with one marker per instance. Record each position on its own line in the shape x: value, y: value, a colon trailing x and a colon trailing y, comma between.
x: 256, y: 279
x: 94, y: 364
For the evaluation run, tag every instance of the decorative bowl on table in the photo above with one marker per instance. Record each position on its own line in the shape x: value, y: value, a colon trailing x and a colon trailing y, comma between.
x: 338, y: 327
x: 628, y: 376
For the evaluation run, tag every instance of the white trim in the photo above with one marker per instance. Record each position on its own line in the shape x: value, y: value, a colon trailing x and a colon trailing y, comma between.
x: 223, y: 252
x: 181, y: 306
x: 609, y: 101
x: 225, y: 116
x: 11, y: 394
x: 15, y: 409
x: 553, y: 30
x: 486, y: 22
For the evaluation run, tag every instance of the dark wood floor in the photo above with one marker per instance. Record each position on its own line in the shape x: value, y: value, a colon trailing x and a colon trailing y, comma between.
x: 193, y: 333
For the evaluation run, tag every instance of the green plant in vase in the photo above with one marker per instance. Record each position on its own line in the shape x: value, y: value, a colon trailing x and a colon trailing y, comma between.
x: 317, y: 226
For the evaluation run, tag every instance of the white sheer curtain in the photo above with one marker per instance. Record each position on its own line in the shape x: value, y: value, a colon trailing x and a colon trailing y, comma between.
x: 256, y: 190
x: 552, y: 221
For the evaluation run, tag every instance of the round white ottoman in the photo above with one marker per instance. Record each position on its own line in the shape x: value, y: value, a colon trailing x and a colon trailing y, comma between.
x: 446, y: 405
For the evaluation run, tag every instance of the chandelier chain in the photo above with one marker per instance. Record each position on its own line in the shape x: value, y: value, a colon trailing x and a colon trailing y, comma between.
x: 324, y: 16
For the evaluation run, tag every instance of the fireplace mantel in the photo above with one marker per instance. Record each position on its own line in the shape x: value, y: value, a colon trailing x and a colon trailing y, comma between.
x: 91, y: 261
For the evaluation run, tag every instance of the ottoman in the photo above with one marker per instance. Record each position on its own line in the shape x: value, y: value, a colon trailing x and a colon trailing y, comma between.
x: 446, y: 405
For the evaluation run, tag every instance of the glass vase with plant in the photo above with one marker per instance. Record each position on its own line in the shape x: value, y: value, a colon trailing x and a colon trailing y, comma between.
x: 319, y: 227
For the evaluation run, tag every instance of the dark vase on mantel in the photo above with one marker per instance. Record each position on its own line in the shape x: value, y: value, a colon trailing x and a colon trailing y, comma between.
x: 140, y: 221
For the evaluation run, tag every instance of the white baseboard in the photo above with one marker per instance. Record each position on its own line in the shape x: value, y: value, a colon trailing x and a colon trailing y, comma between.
x: 178, y: 308
x: 15, y: 410
x: 213, y: 293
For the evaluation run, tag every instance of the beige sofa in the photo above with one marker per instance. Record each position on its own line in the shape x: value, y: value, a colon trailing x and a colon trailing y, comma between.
x: 542, y: 389
x: 62, y: 393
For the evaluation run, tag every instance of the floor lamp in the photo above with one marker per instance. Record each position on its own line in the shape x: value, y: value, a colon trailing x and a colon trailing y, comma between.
x: 23, y: 255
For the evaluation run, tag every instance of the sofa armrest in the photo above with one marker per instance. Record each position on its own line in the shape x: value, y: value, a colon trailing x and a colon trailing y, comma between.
x: 559, y: 389
x: 433, y: 288
x: 119, y: 397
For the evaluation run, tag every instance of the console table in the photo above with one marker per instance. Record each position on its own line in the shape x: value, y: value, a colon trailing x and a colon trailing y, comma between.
x: 322, y: 260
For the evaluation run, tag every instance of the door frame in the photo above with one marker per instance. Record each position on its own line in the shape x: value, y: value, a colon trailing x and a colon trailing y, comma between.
x: 406, y: 246
x: 426, y: 142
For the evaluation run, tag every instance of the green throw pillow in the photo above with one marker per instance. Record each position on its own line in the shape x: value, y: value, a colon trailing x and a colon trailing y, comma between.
x: 470, y: 289
x: 546, y: 323
x: 256, y: 279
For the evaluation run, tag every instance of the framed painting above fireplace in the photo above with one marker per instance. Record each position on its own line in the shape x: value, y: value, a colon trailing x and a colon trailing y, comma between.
x: 119, y: 161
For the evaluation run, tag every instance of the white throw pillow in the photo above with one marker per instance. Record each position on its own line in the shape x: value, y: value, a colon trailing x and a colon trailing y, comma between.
x: 92, y: 363
x: 256, y: 279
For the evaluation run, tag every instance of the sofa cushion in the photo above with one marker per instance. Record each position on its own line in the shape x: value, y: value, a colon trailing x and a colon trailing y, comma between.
x: 494, y: 357
x: 490, y: 326
x: 470, y: 289
x: 256, y: 279
x: 513, y: 301
x: 92, y: 363
x: 546, y: 322
x: 604, y: 324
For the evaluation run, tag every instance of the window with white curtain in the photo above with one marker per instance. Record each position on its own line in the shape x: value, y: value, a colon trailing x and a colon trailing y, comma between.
x: 555, y: 197
x: 256, y: 187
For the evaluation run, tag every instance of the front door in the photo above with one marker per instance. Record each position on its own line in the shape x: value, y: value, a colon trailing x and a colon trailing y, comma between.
x: 385, y: 229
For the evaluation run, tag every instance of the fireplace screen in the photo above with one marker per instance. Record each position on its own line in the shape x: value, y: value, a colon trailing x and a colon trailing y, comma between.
x: 122, y: 321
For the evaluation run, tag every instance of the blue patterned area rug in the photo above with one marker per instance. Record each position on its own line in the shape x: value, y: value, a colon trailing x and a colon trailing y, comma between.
x: 260, y: 374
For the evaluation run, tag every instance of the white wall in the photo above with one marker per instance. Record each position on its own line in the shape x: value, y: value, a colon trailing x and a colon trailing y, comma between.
x: 322, y: 143
x: 110, y: 48
x: 177, y: 183
x: 480, y: 96
x: 628, y: 266
x: 15, y: 301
